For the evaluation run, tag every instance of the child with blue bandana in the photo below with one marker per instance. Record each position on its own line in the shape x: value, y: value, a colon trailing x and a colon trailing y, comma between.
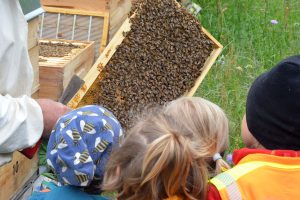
x: 78, y: 150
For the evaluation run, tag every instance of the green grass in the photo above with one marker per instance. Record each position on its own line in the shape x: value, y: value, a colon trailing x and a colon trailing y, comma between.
x: 252, y: 45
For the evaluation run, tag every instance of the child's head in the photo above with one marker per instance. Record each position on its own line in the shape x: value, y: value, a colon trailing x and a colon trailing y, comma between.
x: 169, y: 152
x: 272, y: 117
x: 81, y: 143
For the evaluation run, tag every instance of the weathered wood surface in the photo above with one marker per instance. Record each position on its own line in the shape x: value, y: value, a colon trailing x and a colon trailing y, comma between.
x: 15, y: 174
x: 56, y: 72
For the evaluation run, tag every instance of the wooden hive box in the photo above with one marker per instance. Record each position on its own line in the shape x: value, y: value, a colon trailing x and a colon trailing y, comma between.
x: 57, y: 71
x: 15, y: 174
x: 33, y: 51
x: 91, y: 20
x: 86, y: 95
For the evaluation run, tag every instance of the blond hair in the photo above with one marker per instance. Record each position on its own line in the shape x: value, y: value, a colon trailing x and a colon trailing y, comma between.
x: 168, y: 152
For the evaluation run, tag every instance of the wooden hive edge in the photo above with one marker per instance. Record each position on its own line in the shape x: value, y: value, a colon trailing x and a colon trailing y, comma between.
x: 75, y: 11
x: 208, y: 63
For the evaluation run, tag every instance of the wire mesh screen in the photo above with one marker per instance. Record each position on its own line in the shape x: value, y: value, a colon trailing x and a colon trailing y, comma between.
x: 72, y: 27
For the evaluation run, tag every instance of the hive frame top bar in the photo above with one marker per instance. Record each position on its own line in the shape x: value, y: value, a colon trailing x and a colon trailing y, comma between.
x: 111, y: 48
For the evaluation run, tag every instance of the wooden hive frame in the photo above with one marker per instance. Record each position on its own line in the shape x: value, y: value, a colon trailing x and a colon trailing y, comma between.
x: 104, y: 14
x: 111, y: 48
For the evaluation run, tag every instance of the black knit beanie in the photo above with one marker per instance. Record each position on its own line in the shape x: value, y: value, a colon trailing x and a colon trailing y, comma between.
x: 273, y: 106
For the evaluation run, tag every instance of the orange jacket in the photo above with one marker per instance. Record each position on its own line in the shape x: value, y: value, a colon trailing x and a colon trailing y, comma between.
x: 260, y: 175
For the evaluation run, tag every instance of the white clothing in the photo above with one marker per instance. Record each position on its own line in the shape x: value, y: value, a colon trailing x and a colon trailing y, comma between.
x: 21, y: 119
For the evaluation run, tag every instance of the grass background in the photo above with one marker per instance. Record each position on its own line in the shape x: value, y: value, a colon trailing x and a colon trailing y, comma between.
x: 252, y: 45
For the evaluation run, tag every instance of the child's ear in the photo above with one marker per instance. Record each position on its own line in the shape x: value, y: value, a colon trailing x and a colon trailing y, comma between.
x: 248, y: 139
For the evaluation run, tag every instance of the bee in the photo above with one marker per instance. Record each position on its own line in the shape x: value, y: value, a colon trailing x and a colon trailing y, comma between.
x: 50, y: 164
x: 106, y: 113
x: 62, y: 143
x: 66, y: 122
x: 82, y: 178
x: 54, y: 148
x: 66, y: 181
x: 107, y: 126
x: 87, y: 127
x: 75, y: 135
x: 61, y: 163
x: 87, y: 113
x: 100, y: 145
x: 83, y: 157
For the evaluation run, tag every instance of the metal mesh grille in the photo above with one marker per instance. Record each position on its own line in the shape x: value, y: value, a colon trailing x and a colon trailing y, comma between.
x: 72, y: 27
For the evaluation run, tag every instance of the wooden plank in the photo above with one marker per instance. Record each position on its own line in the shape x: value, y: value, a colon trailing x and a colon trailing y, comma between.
x: 15, y: 174
x: 35, y: 95
x: 77, y: 64
x: 75, y: 11
x: 88, y: 5
x: 32, y: 39
x: 105, y: 33
x: 118, y: 12
x: 208, y: 63
x: 34, y: 59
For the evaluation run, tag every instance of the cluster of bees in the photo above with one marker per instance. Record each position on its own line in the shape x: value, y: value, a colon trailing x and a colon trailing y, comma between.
x: 50, y: 49
x: 158, y: 61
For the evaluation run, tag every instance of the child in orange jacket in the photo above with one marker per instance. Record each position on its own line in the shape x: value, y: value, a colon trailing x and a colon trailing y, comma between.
x: 270, y: 168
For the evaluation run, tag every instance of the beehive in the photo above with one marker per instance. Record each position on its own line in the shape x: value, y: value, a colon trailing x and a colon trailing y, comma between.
x: 91, y: 20
x: 159, y: 54
x: 59, y: 60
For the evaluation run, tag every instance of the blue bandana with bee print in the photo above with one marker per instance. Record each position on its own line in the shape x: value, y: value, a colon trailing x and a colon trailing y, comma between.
x: 81, y: 143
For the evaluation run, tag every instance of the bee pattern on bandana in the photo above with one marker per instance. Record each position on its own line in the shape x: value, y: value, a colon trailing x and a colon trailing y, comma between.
x: 107, y: 126
x: 50, y: 164
x: 88, y: 113
x: 62, y: 164
x: 66, y: 180
x: 108, y: 114
x: 82, y: 178
x: 87, y: 127
x: 54, y: 148
x: 98, y: 161
x: 83, y: 157
x: 121, y: 136
x: 66, y: 122
x: 62, y: 143
x: 74, y: 134
x: 100, y: 145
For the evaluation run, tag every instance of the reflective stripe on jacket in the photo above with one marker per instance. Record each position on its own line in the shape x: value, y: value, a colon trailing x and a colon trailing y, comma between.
x: 261, y: 177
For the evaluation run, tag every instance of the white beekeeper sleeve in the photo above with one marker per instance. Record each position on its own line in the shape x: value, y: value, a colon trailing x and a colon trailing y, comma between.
x: 21, y: 120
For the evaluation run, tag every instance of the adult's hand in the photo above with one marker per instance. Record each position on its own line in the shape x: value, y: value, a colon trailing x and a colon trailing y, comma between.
x: 51, y: 112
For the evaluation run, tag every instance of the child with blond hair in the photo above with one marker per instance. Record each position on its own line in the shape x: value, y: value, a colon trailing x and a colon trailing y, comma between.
x: 170, y: 153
